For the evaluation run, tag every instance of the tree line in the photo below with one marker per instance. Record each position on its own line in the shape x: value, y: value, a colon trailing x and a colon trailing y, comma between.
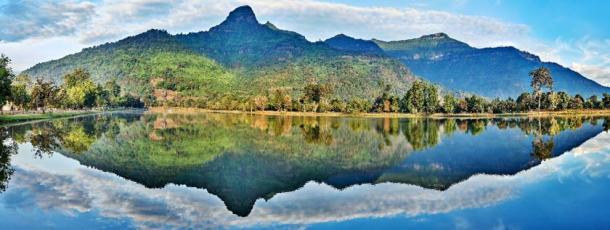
x: 425, y: 97
x: 78, y: 91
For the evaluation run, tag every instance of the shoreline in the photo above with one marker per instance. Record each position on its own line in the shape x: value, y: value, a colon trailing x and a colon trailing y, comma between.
x: 11, y: 119
x: 566, y: 113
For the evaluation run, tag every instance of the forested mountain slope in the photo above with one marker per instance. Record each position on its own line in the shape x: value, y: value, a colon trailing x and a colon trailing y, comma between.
x: 232, y: 61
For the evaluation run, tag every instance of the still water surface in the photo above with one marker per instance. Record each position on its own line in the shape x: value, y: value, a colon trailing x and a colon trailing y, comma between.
x: 140, y: 170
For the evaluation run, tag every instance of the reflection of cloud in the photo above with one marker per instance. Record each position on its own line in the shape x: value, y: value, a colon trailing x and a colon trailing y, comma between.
x: 88, y: 189
x: 48, y: 191
x: 595, y: 155
x: 180, y: 206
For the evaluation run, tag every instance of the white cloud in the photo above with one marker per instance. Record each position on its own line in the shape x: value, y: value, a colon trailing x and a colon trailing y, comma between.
x: 27, y: 53
x: 600, y: 74
x: 32, y: 19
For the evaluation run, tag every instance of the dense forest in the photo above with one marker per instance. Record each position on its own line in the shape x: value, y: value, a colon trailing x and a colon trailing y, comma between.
x: 225, y: 66
x: 78, y: 90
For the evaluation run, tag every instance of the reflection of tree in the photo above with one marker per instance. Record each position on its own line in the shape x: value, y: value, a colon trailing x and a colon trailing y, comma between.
x: 6, y: 150
x: 449, y: 127
x: 312, y: 133
x: 244, y: 158
x: 75, y: 135
x: 542, y: 149
x: 281, y: 125
x: 475, y: 127
x: 606, y: 123
x: 420, y: 133
x: 359, y: 124
x: 387, y: 127
x: 44, y: 137
x: 77, y: 140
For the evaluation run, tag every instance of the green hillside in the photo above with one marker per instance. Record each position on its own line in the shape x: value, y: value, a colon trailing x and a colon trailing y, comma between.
x: 226, y: 66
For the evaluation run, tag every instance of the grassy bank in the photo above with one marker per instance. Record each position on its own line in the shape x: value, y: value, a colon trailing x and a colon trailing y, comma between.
x: 582, y: 112
x: 14, y: 118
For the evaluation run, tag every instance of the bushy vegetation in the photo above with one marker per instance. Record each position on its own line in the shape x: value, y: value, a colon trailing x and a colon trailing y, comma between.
x: 189, y: 80
x: 77, y: 91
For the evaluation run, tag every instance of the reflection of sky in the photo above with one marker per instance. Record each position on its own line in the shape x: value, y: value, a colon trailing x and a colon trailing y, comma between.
x: 564, y: 191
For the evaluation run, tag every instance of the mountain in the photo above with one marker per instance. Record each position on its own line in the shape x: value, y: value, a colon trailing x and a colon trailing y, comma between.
x: 490, y: 72
x: 346, y: 43
x: 230, y: 62
x: 241, y: 57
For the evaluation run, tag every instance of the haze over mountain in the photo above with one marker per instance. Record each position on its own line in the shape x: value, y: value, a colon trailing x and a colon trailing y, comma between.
x: 241, y: 57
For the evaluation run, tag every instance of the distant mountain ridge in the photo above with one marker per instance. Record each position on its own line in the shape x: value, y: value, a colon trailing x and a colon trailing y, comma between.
x: 241, y: 57
x: 346, y: 43
x: 490, y: 72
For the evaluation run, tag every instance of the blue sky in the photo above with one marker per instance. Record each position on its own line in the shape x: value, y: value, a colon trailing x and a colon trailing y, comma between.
x: 573, y: 33
x: 548, y: 19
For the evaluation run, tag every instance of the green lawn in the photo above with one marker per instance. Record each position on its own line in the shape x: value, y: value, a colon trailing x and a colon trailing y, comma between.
x: 7, y: 118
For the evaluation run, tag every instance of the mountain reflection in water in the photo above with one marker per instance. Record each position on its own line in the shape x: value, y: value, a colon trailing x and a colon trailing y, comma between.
x: 241, y: 158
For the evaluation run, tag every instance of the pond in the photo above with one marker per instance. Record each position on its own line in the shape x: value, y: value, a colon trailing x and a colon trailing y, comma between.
x: 209, y: 170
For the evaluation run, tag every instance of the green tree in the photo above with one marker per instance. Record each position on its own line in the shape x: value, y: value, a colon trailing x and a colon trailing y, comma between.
x: 541, y: 78
x: 413, y: 101
x: 383, y: 103
x: 577, y: 102
x: 314, y: 94
x: 550, y: 100
x: 102, y: 97
x: 280, y: 99
x: 6, y: 78
x: 114, y: 91
x: 593, y: 103
x: 462, y: 105
x: 449, y: 103
x: 606, y: 101
x: 338, y: 105
x: 80, y: 89
x: 358, y: 105
x: 43, y: 94
x: 430, y: 98
x: 19, y: 91
x: 260, y: 102
x: 497, y: 106
x: 476, y: 104
x: 510, y: 105
x: 20, y: 96
x: 563, y: 100
x: 524, y: 102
